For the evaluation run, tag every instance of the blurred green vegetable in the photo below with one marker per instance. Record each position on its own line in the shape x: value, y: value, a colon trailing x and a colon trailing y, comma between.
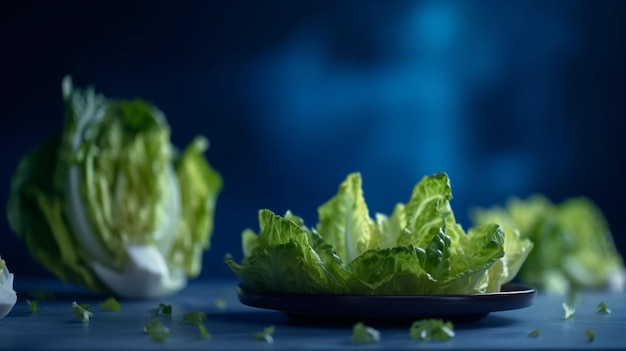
x: 419, y: 249
x: 574, y: 247
x: 109, y: 203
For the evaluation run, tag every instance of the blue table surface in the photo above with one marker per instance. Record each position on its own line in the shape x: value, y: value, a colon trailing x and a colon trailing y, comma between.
x: 232, y: 326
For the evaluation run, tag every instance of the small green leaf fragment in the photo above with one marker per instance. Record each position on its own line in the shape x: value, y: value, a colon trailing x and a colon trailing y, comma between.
x: 220, y: 303
x: 590, y: 334
x: 265, y: 334
x: 204, y: 333
x: 194, y: 318
x: 81, y: 311
x: 534, y: 333
x: 157, y: 331
x: 569, y: 311
x: 161, y: 310
x: 603, y: 308
x: 33, y: 307
x: 110, y: 304
x: 363, y: 334
x: 432, y: 329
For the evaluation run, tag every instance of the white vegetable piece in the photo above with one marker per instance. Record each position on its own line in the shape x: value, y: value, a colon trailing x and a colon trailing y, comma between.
x: 8, y: 296
x: 145, y: 274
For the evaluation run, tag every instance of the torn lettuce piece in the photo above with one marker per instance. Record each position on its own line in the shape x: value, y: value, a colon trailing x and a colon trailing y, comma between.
x: 431, y: 329
x: 157, y: 330
x: 363, y: 334
x: 568, y: 310
x: 590, y: 334
x: 8, y: 296
x: 110, y: 304
x: 81, y: 312
x: 110, y: 203
x: 603, y: 308
x: 418, y: 249
x: 516, y: 250
x: 33, y: 306
x: 265, y: 335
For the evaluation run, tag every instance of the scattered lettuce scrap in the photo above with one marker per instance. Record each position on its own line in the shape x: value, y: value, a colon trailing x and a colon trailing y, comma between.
x: 197, y: 318
x: 574, y: 247
x: 265, y: 334
x: 161, y: 310
x: 432, y: 329
x: 204, y: 333
x: 33, y: 307
x: 590, y: 334
x: 419, y: 249
x: 8, y: 296
x: 81, y: 311
x: 603, y: 308
x: 363, y: 334
x: 157, y: 331
x: 534, y: 333
x: 109, y: 203
x: 220, y: 303
x: 110, y: 304
x: 568, y: 311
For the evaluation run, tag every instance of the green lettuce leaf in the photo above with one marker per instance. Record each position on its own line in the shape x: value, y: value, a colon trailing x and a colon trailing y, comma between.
x: 344, y: 220
x: 419, y: 249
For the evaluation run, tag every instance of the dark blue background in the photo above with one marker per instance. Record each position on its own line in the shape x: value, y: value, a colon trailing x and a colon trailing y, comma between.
x: 509, y: 98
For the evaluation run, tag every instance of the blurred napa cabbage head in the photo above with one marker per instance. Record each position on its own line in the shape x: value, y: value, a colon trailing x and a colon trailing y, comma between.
x: 109, y: 203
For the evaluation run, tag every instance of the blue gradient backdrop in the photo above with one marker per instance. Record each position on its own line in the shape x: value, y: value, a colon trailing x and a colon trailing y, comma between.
x: 509, y: 98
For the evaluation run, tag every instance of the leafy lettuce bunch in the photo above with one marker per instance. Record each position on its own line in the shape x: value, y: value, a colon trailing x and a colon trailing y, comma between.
x: 419, y: 249
x: 110, y: 203
x: 574, y: 246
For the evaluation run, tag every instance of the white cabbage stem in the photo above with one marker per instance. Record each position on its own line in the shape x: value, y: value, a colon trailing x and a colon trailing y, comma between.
x: 8, y: 296
x: 145, y: 274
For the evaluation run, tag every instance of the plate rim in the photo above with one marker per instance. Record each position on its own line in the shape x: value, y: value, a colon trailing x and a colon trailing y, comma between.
x: 473, y: 306
x: 511, y: 289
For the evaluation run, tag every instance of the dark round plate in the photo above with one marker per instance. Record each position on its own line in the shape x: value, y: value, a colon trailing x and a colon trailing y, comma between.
x: 458, y: 308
